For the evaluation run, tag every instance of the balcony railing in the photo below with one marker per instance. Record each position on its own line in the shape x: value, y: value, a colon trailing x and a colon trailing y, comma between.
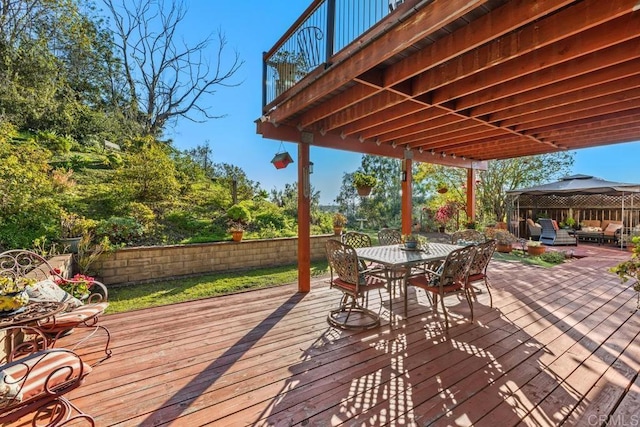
x: 326, y: 27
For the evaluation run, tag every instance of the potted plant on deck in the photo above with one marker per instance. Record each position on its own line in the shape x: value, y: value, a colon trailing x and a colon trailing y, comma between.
x: 630, y: 269
x: 411, y: 241
x: 504, y: 239
x: 364, y: 183
x: 535, y: 247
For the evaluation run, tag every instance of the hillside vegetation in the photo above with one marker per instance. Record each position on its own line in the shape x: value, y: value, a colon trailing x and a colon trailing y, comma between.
x: 84, y: 106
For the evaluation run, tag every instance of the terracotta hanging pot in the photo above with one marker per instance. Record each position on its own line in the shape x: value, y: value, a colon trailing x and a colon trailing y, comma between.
x: 442, y: 190
x: 363, y: 191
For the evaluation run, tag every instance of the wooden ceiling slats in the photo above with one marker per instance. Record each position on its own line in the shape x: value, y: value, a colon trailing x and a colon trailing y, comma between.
x: 620, y: 101
x: 583, y: 86
x: 525, y: 78
x: 484, y: 29
x: 405, y: 111
x: 604, y: 120
x: 523, y: 61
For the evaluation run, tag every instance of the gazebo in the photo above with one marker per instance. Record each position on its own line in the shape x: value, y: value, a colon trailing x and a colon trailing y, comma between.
x: 581, y: 197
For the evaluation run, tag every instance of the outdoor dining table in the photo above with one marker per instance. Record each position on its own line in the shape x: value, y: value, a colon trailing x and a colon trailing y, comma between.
x: 396, y: 257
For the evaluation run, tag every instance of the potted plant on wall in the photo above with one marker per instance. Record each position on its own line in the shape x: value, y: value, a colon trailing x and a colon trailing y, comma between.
x: 72, y: 227
x: 364, y: 183
x: 238, y: 219
x: 339, y: 221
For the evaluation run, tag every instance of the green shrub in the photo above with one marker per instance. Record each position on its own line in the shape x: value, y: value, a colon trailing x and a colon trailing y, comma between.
x: 54, y: 142
x: 141, y: 212
x: 268, y: 219
x: 553, y: 257
x: 239, y: 213
x: 184, y: 221
x: 114, y: 160
x: 120, y: 230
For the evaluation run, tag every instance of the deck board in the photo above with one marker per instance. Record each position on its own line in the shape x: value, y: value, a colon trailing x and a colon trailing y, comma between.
x: 559, y: 347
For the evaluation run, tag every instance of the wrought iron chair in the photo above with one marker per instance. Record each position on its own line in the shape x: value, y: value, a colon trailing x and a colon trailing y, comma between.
x: 356, y: 239
x: 389, y: 236
x: 309, y: 42
x: 83, y: 313
x: 478, y: 268
x: 35, y: 378
x: 451, y: 278
x: 467, y: 236
x: 354, y: 282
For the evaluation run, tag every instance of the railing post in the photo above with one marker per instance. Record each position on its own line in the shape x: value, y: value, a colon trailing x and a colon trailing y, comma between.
x: 264, y: 79
x: 331, y: 20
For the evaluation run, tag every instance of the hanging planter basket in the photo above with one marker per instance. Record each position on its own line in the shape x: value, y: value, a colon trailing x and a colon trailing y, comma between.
x: 282, y: 159
x: 442, y: 190
x: 364, y: 191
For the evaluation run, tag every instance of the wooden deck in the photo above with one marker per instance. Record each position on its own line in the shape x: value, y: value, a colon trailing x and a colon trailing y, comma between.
x: 559, y: 347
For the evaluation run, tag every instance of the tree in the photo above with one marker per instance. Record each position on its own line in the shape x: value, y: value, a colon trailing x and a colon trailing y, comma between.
x: 58, y: 70
x: 149, y: 175
x: 28, y: 206
x: 500, y: 177
x: 166, y: 81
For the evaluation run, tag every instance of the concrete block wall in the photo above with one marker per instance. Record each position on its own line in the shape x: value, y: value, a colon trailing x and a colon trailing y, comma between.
x: 146, y: 264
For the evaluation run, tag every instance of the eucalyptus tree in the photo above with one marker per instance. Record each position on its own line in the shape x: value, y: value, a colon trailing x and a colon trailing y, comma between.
x: 166, y: 78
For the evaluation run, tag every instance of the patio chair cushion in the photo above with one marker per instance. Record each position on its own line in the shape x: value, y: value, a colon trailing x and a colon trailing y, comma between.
x: 47, y: 290
x: 611, y: 229
x: 591, y: 229
x: 591, y: 223
x: 555, y: 224
x: 45, y: 368
x: 79, y: 315
x: 9, y: 390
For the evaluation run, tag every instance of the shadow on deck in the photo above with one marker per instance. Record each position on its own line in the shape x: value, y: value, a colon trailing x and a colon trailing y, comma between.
x: 559, y: 346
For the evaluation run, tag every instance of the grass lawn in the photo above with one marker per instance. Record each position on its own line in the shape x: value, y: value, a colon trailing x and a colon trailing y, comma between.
x: 547, y: 259
x: 127, y: 298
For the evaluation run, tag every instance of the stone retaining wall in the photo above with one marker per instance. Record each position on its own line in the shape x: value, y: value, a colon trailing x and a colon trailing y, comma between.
x: 147, y: 264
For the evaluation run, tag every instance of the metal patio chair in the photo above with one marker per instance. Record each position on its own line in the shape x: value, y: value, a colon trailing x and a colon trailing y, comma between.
x: 451, y: 278
x: 348, y: 276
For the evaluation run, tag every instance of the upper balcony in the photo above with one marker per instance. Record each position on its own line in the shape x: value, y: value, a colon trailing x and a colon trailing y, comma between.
x: 456, y: 82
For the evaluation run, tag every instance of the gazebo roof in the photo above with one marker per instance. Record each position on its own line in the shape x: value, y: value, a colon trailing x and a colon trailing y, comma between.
x: 578, y: 184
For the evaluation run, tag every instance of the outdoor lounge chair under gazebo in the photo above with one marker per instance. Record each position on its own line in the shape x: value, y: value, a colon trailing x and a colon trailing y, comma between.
x: 582, y: 197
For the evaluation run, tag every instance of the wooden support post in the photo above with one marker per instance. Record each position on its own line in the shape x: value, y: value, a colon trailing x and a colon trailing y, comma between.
x: 304, y: 219
x: 406, y: 206
x: 471, y: 195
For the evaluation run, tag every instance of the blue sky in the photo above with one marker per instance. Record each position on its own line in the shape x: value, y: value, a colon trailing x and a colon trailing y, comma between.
x: 253, y: 26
